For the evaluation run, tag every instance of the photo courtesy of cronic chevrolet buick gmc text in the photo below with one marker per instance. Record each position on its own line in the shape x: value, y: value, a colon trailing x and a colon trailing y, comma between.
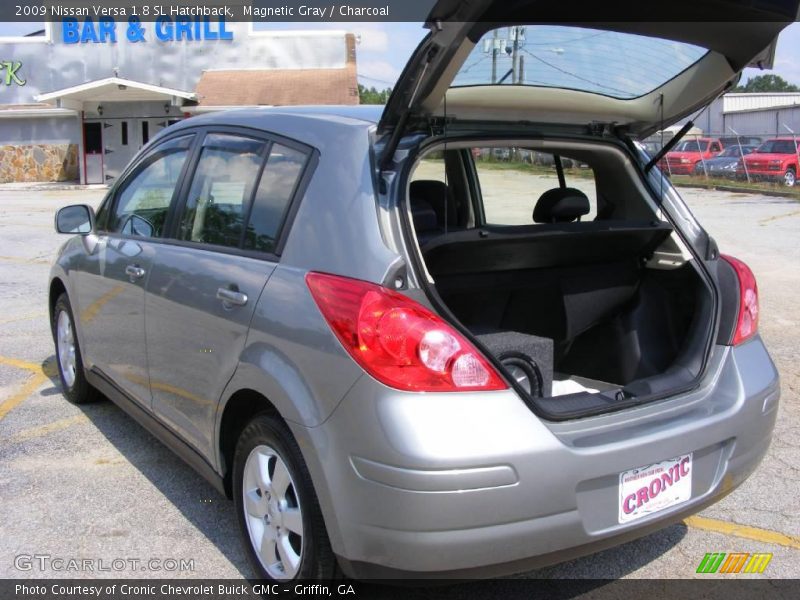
x: 393, y: 368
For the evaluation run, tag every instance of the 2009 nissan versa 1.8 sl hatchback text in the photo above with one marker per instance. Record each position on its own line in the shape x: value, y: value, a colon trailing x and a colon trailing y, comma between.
x: 400, y: 362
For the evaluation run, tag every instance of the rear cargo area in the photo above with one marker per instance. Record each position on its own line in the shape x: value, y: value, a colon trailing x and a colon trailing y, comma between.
x: 592, y: 306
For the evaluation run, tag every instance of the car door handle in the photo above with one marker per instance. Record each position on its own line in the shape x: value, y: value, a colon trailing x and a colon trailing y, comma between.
x: 231, y: 297
x: 134, y: 272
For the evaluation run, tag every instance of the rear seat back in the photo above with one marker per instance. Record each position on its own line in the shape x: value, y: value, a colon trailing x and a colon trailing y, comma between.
x: 438, y: 196
x: 509, y: 248
x: 553, y: 280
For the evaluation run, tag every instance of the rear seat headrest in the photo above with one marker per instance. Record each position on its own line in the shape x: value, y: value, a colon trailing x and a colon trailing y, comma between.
x: 560, y: 205
x: 423, y: 216
x: 438, y: 196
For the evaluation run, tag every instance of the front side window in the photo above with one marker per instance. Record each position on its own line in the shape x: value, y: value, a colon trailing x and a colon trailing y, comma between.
x: 222, y: 186
x: 144, y: 198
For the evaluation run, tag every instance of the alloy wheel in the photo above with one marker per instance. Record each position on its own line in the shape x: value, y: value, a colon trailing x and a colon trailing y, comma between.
x: 65, y: 339
x: 272, y: 513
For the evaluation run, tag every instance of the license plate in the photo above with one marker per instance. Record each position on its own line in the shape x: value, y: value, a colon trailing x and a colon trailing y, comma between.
x: 650, y: 489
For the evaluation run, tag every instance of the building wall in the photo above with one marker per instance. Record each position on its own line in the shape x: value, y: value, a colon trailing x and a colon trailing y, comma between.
x: 46, y: 149
x: 38, y: 162
x: 53, y: 130
x: 763, y: 122
x: 51, y: 65
x: 772, y: 122
x: 757, y: 101
x: 39, y: 149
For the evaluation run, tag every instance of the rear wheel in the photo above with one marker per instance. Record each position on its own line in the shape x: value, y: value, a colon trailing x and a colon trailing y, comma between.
x: 74, y: 385
x: 790, y: 177
x: 278, y: 512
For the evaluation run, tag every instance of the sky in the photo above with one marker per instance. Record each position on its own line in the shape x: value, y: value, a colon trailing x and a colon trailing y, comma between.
x: 384, y: 48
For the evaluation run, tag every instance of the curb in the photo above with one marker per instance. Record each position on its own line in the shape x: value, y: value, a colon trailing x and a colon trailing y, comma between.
x: 46, y: 187
x: 739, y: 190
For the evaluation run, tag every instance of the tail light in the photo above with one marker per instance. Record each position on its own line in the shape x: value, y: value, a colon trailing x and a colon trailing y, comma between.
x: 747, y: 320
x: 398, y: 341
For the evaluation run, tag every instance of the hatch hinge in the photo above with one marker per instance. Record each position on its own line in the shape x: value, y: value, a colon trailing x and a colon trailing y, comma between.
x: 438, y: 125
x: 601, y: 129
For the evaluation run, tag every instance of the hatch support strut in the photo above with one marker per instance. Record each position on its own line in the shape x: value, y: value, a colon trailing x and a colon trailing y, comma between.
x: 668, y: 146
x: 397, y: 132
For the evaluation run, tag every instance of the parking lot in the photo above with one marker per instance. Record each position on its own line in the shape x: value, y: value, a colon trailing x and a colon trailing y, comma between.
x: 89, y: 483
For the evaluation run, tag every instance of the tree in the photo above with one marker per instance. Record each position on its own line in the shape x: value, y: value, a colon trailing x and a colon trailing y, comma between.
x: 766, y: 83
x: 373, y: 96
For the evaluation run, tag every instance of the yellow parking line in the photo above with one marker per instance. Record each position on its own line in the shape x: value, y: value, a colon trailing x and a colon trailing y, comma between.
x: 776, y: 217
x: 22, y: 394
x: 746, y: 532
x: 41, y: 373
x: 25, y: 261
x: 26, y: 317
x: 34, y: 432
x: 20, y: 364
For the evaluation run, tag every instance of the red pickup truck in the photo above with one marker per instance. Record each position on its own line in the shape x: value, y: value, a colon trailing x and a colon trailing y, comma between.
x: 682, y: 159
x: 775, y: 159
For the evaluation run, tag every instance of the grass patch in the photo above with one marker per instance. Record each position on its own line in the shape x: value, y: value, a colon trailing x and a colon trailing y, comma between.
x: 496, y: 165
x: 755, y: 186
x: 492, y: 164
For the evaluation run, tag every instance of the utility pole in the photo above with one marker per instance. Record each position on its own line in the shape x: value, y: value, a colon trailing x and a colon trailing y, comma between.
x: 521, y: 70
x: 494, y: 57
x: 514, y: 56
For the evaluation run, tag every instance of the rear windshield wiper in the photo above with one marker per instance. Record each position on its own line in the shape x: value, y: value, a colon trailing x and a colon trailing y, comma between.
x: 668, y: 146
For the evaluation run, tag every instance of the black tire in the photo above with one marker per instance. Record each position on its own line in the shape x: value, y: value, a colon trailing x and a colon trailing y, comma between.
x: 81, y: 391
x: 317, y: 560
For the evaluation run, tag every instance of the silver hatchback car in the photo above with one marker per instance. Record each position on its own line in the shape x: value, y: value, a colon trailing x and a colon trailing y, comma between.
x: 401, y: 359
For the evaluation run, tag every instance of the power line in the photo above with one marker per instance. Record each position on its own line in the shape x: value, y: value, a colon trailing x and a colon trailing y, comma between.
x: 565, y: 72
x: 559, y: 42
x: 389, y: 83
x: 475, y: 64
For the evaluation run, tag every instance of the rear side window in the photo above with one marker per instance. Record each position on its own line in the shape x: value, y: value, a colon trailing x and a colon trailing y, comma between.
x: 278, y: 182
x: 513, y: 179
x: 223, y: 183
x: 144, y: 197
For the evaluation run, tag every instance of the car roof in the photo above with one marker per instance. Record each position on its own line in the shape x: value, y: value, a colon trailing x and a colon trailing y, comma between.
x: 315, y: 126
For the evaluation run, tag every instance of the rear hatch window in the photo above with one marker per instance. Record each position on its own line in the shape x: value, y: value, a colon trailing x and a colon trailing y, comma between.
x: 620, y: 65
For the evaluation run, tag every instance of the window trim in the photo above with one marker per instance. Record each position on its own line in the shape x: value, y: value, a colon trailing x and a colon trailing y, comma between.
x: 312, y: 159
x: 180, y: 206
x: 300, y: 185
x: 132, y: 171
x: 199, y: 132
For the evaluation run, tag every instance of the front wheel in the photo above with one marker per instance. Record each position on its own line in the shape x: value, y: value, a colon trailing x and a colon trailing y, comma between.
x: 74, y: 385
x: 790, y: 177
x: 278, y: 512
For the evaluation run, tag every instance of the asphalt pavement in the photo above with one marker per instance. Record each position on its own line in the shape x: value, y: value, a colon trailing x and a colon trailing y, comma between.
x: 89, y: 483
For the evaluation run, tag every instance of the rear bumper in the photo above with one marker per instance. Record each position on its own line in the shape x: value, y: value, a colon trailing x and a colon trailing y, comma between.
x: 474, y: 485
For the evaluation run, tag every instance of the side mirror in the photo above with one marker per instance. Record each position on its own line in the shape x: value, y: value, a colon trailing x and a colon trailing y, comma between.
x: 78, y: 218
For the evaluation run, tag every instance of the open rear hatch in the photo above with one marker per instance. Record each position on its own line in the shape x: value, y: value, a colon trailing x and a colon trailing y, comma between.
x: 591, y: 305
x: 691, y: 63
